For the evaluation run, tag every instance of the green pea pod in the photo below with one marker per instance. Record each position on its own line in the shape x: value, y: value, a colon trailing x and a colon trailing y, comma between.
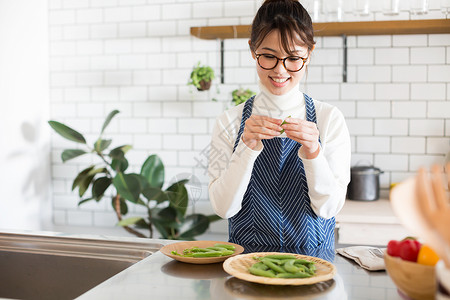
x: 259, y: 272
x: 303, y: 268
x: 207, y: 254
x: 293, y: 275
x: 261, y: 266
x: 284, y: 122
x: 303, y: 261
x: 312, y: 268
x: 226, y: 246
x: 216, y: 248
x: 183, y: 255
x: 283, y: 261
x: 280, y: 256
x: 227, y: 252
x: 308, y: 268
x: 195, y: 250
x: 289, y: 266
x: 279, y: 262
x: 273, y: 266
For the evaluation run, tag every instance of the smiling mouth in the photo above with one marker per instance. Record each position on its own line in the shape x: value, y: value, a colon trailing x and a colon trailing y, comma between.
x: 280, y: 80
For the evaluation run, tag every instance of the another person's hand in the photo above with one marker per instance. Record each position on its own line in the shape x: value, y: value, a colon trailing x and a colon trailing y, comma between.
x: 305, y: 133
x: 259, y: 128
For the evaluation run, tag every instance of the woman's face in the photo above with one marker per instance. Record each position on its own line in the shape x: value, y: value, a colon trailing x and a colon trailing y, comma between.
x: 279, y: 81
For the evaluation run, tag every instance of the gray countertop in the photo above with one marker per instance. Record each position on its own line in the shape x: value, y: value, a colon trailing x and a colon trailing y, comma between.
x: 160, y: 277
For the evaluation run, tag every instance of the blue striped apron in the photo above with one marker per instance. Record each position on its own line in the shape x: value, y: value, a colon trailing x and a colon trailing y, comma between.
x: 276, y: 209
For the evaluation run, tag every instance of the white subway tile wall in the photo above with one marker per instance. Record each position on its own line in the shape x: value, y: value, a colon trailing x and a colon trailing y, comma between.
x: 136, y: 56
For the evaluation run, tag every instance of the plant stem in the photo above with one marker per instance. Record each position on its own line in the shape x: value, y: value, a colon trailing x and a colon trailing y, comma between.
x: 150, y: 227
x: 105, y: 161
x: 119, y: 217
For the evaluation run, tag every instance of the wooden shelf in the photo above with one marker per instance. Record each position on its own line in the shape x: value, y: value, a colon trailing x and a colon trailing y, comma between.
x: 335, y: 29
x: 343, y: 29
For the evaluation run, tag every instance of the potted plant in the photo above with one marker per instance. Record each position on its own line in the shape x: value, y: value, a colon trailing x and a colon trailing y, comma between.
x: 166, y: 208
x: 201, y: 77
x: 240, y: 95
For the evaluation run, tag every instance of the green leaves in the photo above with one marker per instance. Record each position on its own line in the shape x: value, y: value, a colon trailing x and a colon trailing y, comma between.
x: 213, y: 218
x: 178, y: 197
x: 108, y: 119
x: 99, y: 187
x: 130, y: 221
x: 67, y: 132
x: 71, y: 153
x: 155, y: 194
x: 85, y: 177
x: 119, y: 162
x: 128, y: 186
x: 240, y: 95
x: 119, y: 165
x: 193, y: 225
x: 166, y: 209
x: 119, y: 152
x: 100, y: 145
x: 153, y: 171
x: 123, y: 207
x: 200, y: 73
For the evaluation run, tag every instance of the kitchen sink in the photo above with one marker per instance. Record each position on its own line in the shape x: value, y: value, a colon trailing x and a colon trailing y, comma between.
x: 58, y: 267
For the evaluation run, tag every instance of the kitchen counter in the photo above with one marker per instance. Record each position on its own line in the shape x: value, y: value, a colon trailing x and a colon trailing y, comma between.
x: 160, y: 277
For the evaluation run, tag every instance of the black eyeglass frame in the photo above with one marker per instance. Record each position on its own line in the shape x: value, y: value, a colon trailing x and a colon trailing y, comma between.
x: 282, y: 59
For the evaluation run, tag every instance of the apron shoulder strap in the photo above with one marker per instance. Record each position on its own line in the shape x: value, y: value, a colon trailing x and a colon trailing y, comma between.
x: 246, y: 113
x: 310, y: 109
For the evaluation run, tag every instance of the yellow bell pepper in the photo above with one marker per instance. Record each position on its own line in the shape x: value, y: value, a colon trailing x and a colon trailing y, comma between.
x: 427, y: 256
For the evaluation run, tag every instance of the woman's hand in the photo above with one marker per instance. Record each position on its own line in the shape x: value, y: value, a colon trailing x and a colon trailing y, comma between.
x: 305, y: 133
x: 260, y: 128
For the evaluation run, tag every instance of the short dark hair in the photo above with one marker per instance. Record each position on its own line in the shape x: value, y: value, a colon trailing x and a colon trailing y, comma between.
x: 289, y: 17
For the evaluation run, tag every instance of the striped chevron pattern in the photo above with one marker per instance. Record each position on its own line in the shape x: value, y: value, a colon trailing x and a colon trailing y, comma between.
x: 276, y: 209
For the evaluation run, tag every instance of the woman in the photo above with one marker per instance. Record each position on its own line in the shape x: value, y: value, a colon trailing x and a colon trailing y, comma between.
x: 280, y: 162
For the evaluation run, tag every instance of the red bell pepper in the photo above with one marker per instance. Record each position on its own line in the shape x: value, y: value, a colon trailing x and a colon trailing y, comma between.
x: 406, y: 249
x: 409, y: 249
x: 393, y: 248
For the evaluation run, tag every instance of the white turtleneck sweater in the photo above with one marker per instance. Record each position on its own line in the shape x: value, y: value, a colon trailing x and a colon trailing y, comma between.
x: 327, y: 175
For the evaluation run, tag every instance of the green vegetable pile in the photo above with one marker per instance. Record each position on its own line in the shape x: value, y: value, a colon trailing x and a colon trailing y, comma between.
x: 282, y: 266
x: 216, y: 251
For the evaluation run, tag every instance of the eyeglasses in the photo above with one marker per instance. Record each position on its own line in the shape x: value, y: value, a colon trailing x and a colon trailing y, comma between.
x: 290, y: 63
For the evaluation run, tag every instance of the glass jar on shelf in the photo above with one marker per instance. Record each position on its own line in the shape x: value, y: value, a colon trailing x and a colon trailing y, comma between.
x: 445, y: 7
x: 418, y: 7
x: 391, y: 7
x: 361, y: 7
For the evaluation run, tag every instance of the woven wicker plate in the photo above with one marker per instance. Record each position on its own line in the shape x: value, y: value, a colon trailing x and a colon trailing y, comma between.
x: 239, y: 264
x: 180, y: 246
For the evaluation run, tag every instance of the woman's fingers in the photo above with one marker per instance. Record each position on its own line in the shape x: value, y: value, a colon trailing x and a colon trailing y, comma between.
x: 259, y: 128
x: 258, y: 136
x: 301, y: 136
x: 263, y: 127
x: 301, y: 129
x: 265, y: 122
x: 304, y: 132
